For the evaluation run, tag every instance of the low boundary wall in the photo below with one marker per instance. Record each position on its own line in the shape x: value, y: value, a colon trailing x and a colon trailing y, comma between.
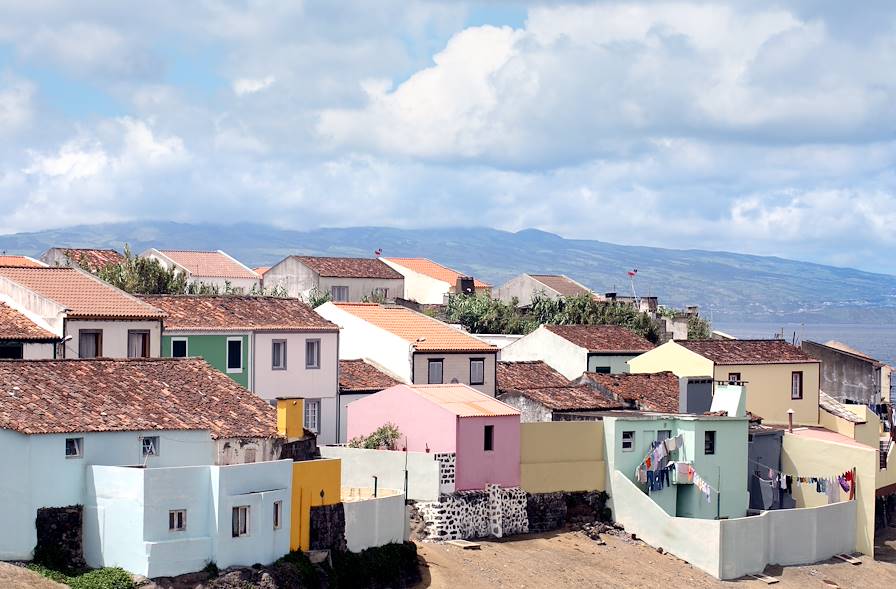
x: 375, y: 521
x: 359, y: 466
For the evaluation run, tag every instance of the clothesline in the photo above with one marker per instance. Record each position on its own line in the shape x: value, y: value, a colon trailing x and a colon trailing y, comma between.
x: 781, y: 472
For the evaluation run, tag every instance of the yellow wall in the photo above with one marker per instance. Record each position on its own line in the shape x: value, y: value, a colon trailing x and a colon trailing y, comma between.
x: 309, y: 478
x: 291, y: 417
x: 768, y: 390
x: 562, y: 456
x: 836, y: 424
x: 806, y: 456
x: 673, y: 357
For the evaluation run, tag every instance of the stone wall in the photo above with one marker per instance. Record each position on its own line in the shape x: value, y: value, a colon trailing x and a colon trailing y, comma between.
x: 301, y: 449
x: 59, y: 537
x: 552, y: 511
x: 328, y: 527
x: 447, y: 471
x: 475, y: 514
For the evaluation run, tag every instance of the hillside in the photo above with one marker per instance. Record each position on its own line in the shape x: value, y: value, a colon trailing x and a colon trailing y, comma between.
x: 731, y: 286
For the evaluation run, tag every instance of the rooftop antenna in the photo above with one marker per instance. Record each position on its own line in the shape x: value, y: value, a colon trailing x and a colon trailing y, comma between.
x: 631, y: 276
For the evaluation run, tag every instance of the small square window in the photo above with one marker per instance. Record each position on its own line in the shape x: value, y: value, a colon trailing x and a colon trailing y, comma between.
x: 477, y: 371
x: 489, y: 438
x: 179, y: 347
x: 240, y: 523
x: 177, y: 520
x: 709, y: 442
x: 278, y: 354
x: 628, y: 441
x: 733, y: 377
x: 278, y: 515
x: 74, y: 447
x: 150, y: 445
x: 312, y: 353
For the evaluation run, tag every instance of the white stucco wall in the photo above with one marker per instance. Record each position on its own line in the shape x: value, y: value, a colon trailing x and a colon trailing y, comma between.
x: 563, y: 356
x: 38, y: 351
x: 359, y: 466
x: 299, y: 280
x: 358, y: 288
x: 45, y: 312
x: 524, y: 287
x: 296, y: 380
x: 375, y: 521
x: 115, y: 336
x: 421, y: 288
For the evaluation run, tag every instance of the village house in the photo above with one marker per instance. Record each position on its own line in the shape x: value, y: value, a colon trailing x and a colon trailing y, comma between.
x: 412, y: 346
x: 343, y: 279
x: 527, y: 374
x: 147, y: 447
x: 20, y: 261
x: 780, y: 377
x: 429, y: 283
x: 643, y: 392
x: 22, y: 337
x: 525, y: 287
x: 214, y: 269
x: 850, y: 376
x: 574, y: 349
x: 558, y: 403
x: 91, y: 259
x: 477, y: 433
x: 276, y: 347
x: 357, y: 379
x: 93, y: 318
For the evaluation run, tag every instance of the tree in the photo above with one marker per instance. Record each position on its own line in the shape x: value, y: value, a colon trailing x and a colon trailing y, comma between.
x: 384, y: 437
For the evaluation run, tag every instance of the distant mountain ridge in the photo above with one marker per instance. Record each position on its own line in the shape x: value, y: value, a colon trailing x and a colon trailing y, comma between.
x: 727, y: 286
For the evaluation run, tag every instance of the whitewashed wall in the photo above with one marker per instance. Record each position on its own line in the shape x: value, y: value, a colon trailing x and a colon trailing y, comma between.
x: 360, y: 466
x: 563, y: 356
x: 376, y: 521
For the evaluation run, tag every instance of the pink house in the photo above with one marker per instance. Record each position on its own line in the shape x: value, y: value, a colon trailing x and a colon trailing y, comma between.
x: 481, y: 431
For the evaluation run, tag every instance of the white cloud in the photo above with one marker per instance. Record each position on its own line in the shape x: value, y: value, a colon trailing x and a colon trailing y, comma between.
x: 251, y: 86
x: 16, y: 108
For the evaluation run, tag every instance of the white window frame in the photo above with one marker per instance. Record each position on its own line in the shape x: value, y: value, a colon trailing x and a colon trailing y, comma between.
x: 155, y: 443
x: 278, y: 515
x: 79, y: 448
x: 186, y: 341
x: 227, y: 355
x: 628, y: 437
x: 336, y: 299
x: 243, y: 521
x: 274, y: 344
x: 173, y: 521
x: 309, y: 425
x: 312, y: 363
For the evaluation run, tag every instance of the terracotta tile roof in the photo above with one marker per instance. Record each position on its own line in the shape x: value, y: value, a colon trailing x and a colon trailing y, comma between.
x: 649, y: 392
x: 67, y: 396
x: 462, y: 400
x: 836, y: 408
x: 527, y: 375
x: 15, y: 326
x: 359, y: 376
x: 85, y: 296
x: 20, y: 261
x: 428, y: 334
x: 745, y: 351
x: 562, y: 284
x: 95, y: 259
x: 435, y: 270
x: 261, y: 270
x: 350, y: 267
x: 213, y: 264
x: 568, y: 398
x: 602, y: 338
x: 237, y: 313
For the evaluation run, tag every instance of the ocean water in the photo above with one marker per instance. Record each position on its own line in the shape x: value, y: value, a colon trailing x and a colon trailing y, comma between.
x: 877, y: 341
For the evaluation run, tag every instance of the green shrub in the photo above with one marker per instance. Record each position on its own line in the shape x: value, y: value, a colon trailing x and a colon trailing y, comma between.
x: 386, y: 436
x: 106, y: 578
x: 392, y: 565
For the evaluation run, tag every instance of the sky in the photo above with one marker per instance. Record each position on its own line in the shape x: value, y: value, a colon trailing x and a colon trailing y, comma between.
x: 751, y: 125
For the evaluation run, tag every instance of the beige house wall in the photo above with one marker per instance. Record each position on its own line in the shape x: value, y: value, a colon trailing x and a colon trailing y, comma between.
x: 456, y: 365
x: 562, y: 456
x: 418, y: 287
x: 673, y: 357
x: 115, y: 336
x: 768, y: 390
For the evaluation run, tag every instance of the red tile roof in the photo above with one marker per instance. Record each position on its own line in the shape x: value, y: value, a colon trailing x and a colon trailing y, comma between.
x: 527, y: 375
x: 358, y: 376
x: 350, y: 267
x: 562, y: 284
x: 602, y: 338
x: 261, y: 270
x: 237, y: 313
x: 16, y: 327
x: 68, y: 396
x: 435, y: 270
x: 745, y: 351
x: 85, y: 296
x: 95, y: 259
x: 462, y: 400
x: 426, y: 333
x: 649, y: 392
x: 20, y: 261
x: 568, y: 398
x: 212, y: 264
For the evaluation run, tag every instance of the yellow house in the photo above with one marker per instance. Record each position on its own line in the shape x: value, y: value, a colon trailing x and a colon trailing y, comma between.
x: 777, y: 375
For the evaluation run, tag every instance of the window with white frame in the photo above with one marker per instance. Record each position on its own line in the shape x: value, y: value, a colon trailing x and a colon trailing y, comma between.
x: 339, y: 294
x: 234, y: 354
x: 628, y: 441
x: 240, y: 523
x: 278, y: 354
x: 179, y: 347
x: 149, y: 446
x: 278, y: 515
x: 177, y: 520
x: 312, y: 353
x: 74, y: 447
x: 796, y: 385
x: 312, y: 415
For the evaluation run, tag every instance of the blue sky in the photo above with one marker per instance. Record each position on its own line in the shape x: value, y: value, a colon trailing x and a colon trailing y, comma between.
x: 761, y: 127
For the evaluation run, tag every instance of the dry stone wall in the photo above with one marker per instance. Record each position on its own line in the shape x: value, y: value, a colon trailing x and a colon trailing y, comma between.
x: 447, y: 469
x: 466, y: 515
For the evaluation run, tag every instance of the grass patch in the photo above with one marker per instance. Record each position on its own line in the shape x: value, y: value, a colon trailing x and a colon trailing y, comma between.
x: 106, y: 578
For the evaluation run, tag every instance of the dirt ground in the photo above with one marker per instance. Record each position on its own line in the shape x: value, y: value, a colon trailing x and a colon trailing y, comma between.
x: 571, y: 559
x: 13, y: 577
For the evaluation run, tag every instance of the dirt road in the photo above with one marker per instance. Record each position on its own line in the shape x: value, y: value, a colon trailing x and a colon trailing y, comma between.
x: 13, y: 577
x: 571, y: 559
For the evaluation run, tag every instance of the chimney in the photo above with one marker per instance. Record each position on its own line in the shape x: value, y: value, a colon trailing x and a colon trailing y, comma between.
x: 465, y: 285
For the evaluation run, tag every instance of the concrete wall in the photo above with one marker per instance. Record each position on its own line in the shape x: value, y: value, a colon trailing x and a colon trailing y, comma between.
x: 38, y: 351
x: 616, y: 364
x: 375, y: 521
x: 419, y: 287
x: 45, y: 312
x: 845, y: 377
x: 361, y: 288
x: 115, y: 336
x: 563, y: 356
x: 477, y: 467
x: 768, y: 390
x: 344, y: 401
x: 314, y: 483
x: 457, y: 366
x: 299, y: 280
x: 524, y: 288
x: 360, y: 466
x: 673, y: 357
x: 562, y: 456
x: 531, y: 411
